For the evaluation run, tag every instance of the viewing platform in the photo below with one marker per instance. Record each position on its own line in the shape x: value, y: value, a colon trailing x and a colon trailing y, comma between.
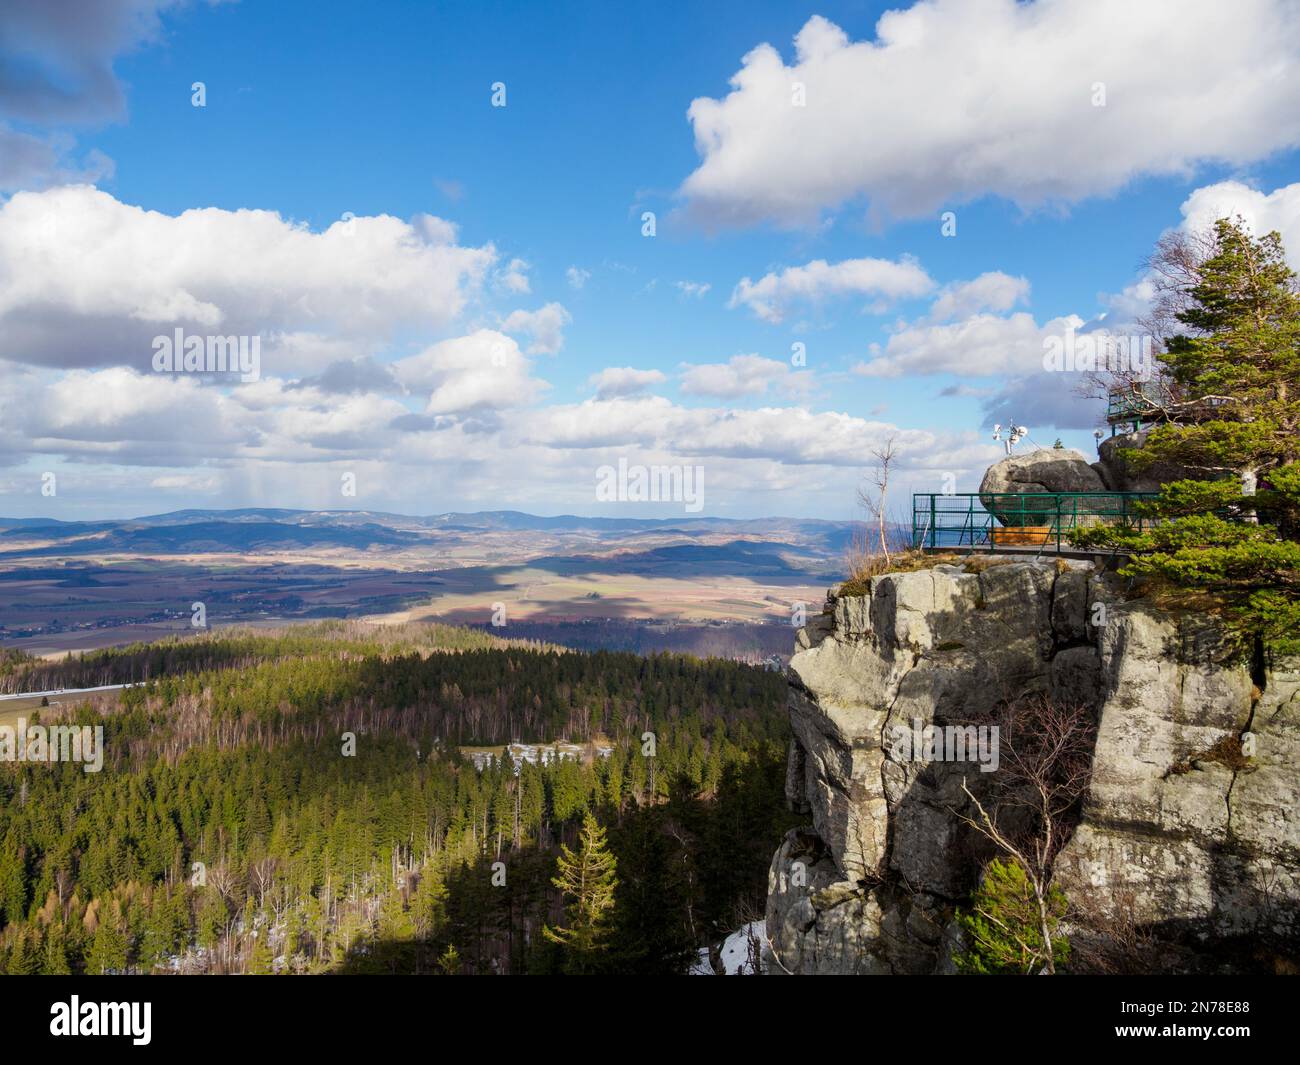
x: 1138, y: 405
x: 1033, y: 523
x: 1144, y: 404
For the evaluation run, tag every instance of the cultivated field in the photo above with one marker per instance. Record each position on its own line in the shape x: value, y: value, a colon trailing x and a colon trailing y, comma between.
x: 80, y: 586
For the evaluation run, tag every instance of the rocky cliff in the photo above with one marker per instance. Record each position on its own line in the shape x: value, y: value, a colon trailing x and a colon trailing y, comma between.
x: 1187, y: 842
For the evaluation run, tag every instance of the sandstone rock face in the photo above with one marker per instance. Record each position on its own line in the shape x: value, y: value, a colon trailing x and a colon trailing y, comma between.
x: 1183, y: 841
x: 1044, y: 470
x: 1170, y: 832
x: 1120, y: 477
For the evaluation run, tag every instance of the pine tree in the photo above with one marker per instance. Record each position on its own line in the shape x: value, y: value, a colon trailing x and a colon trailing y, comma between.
x: 568, y: 797
x: 1230, y: 531
x: 503, y: 815
x: 107, y: 950
x: 13, y: 892
x: 651, y: 930
x: 429, y: 903
x: 261, y: 962
x: 1238, y: 364
x: 396, y: 922
x: 532, y: 798
x: 213, y: 916
x: 23, y: 957
x: 589, y: 879
x: 449, y: 961
x: 1003, y: 927
x: 157, y: 943
x: 56, y: 951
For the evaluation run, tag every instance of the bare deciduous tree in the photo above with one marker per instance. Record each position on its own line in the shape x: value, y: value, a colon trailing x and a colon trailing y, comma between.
x: 224, y: 881
x: 1045, y: 754
x: 261, y: 873
x: 1173, y: 270
x: 876, y: 498
x: 1114, y: 941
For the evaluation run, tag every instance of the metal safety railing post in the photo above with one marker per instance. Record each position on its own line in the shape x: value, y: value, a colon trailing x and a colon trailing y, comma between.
x: 1000, y: 520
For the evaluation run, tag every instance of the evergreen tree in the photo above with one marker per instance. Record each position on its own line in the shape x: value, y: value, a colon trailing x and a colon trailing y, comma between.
x: 396, y: 922
x: 588, y: 878
x: 213, y: 916
x: 56, y: 951
x: 429, y: 903
x: 1229, y: 532
x: 532, y: 798
x: 107, y: 950
x: 261, y: 962
x: 449, y: 961
x: 13, y: 892
x: 503, y: 815
x: 23, y: 957
x: 1003, y: 927
x: 651, y: 932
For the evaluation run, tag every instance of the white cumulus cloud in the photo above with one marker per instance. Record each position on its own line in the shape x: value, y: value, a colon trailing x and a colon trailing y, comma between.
x: 741, y: 375
x: 483, y: 371
x: 772, y: 295
x: 983, y: 345
x: 1263, y: 211
x: 954, y: 100
x: 616, y: 381
x: 993, y: 291
x: 544, y: 327
x: 86, y: 280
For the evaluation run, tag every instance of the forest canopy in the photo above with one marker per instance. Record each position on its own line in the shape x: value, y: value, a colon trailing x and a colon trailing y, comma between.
x: 231, y: 829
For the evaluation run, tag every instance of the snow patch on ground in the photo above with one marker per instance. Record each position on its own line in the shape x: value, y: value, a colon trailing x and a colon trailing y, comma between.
x: 735, y: 952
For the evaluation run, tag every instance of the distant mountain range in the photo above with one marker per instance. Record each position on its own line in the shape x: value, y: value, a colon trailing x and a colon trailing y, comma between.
x: 271, y: 529
x: 483, y: 519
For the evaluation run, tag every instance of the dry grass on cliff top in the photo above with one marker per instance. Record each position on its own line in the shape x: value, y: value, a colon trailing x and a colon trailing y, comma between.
x: 864, y: 567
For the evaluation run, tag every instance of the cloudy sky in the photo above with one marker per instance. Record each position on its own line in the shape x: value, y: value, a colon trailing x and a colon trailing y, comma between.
x: 759, y: 238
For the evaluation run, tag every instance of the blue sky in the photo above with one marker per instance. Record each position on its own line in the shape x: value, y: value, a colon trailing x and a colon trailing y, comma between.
x: 317, y: 113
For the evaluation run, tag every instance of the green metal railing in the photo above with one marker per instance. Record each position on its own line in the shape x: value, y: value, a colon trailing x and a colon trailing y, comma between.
x: 996, y: 521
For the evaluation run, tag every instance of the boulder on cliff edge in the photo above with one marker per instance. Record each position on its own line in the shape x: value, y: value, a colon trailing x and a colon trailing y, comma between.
x: 1044, y: 470
x: 1121, y: 477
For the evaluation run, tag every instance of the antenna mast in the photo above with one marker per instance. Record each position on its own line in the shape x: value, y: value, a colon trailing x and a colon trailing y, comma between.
x: 1010, y: 434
